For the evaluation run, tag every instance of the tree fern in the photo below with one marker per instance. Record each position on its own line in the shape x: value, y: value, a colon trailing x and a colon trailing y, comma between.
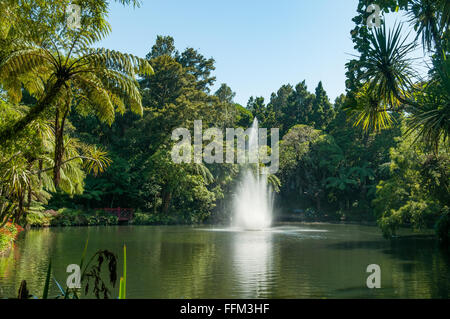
x: 102, y: 80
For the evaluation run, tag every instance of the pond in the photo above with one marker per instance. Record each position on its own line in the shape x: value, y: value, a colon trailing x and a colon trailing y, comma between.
x: 286, y: 261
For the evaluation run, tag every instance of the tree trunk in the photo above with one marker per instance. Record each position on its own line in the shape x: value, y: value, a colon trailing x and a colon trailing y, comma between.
x: 21, y: 208
x: 59, y: 146
x: 8, y: 213
x: 167, y: 196
x: 41, y: 164
x: 29, y: 199
x: 57, y: 152
x: 318, y: 203
x: 30, y: 189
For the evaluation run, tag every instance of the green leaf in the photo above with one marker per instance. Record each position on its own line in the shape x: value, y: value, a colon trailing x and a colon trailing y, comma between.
x: 47, y: 281
x: 123, y: 280
x: 121, y: 289
x: 83, y: 256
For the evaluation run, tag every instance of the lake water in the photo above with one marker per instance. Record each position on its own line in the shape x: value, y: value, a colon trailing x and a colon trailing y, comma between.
x: 287, y: 261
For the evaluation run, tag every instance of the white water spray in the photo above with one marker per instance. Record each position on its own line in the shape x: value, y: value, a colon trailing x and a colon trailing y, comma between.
x: 253, y: 202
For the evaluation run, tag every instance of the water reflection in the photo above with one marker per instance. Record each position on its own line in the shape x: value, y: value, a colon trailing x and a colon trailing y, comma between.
x: 294, y: 261
x: 253, y: 262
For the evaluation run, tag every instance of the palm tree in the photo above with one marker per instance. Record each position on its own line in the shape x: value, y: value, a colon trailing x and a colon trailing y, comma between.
x: 387, y: 68
x: 368, y: 111
x: 432, y: 118
x: 26, y: 170
x: 387, y: 76
x: 429, y: 22
x: 388, y: 85
x: 445, y: 13
x: 62, y: 71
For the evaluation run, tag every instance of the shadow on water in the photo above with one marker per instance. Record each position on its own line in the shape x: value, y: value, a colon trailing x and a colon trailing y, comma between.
x: 406, y: 247
x: 415, y: 254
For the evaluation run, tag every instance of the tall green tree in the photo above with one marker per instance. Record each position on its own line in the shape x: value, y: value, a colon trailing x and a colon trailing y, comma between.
x: 323, y: 112
x: 416, y: 192
x: 62, y: 71
x: 26, y: 166
x: 383, y: 80
x: 142, y: 172
x: 225, y: 94
x: 192, y: 61
x: 307, y: 158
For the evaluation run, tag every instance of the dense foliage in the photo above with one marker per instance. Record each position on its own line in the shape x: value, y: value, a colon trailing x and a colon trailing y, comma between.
x: 383, y: 82
x: 85, y: 128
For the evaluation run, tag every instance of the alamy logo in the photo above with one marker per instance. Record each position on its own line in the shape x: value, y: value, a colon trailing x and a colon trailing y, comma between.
x: 374, y: 279
x: 74, y: 279
x: 73, y: 19
x: 374, y: 20
x: 256, y: 152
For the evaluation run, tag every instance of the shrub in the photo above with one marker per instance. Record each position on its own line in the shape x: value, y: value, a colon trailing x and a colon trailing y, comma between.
x: 5, y: 241
x: 67, y: 217
x: 40, y: 219
x: 74, y: 217
x: 443, y: 226
x: 8, y: 234
x: 102, y: 218
x: 153, y: 219
x: 71, y: 217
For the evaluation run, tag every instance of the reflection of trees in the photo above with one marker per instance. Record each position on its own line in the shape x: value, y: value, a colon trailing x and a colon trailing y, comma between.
x: 174, y: 263
x: 411, y: 267
x: 423, y: 270
x: 191, y: 264
x: 202, y: 264
x: 6, y: 272
x: 178, y: 262
x: 28, y: 260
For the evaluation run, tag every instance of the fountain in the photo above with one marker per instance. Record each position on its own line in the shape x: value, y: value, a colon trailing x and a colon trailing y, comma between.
x: 253, y: 201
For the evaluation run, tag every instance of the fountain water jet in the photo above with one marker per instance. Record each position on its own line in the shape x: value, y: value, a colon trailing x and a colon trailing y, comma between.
x: 253, y: 201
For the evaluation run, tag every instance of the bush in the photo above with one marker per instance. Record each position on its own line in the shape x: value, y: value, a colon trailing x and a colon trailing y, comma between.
x: 5, y: 241
x: 8, y: 234
x: 74, y: 217
x: 68, y: 217
x: 153, y: 219
x: 40, y: 219
x: 443, y: 227
x: 102, y: 218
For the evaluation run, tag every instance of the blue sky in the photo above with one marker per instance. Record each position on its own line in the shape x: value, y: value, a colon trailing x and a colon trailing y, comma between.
x: 258, y: 45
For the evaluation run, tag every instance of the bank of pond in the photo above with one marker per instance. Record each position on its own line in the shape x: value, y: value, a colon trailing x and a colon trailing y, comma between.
x: 68, y: 217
